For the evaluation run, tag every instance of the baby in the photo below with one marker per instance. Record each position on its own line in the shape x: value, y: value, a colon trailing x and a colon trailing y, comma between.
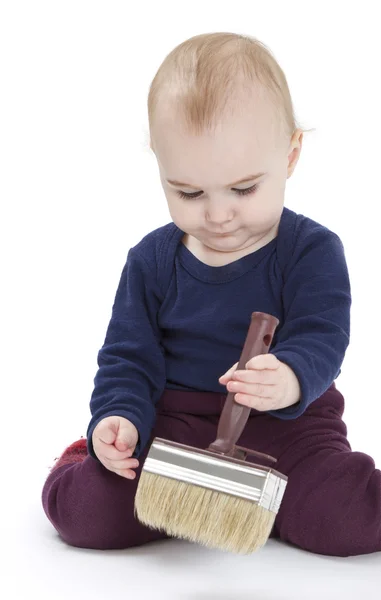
x: 225, y: 138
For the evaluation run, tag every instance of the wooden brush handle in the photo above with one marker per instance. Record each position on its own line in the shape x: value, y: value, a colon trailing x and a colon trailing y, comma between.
x: 234, y: 416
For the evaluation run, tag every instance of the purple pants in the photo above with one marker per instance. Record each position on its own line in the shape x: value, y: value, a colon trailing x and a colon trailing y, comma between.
x: 332, y: 503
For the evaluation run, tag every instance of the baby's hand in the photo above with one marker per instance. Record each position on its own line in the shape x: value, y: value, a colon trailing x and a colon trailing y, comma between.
x: 265, y: 384
x: 114, y: 442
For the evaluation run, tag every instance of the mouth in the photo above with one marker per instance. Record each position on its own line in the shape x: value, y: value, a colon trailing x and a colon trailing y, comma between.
x: 222, y: 234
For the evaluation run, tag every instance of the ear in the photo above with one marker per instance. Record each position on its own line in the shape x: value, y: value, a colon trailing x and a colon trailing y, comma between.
x: 294, y: 151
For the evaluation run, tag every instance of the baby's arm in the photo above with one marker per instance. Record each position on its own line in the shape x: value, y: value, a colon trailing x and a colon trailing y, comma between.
x: 316, y: 300
x: 131, y: 374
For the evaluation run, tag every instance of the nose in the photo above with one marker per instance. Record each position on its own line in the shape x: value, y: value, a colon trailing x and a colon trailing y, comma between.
x: 218, y: 214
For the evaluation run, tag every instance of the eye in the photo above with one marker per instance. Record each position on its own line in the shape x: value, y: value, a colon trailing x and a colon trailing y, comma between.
x: 243, y: 192
x: 249, y: 190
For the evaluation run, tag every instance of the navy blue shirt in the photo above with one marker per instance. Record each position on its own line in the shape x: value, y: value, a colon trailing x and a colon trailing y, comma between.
x: 179, y: 323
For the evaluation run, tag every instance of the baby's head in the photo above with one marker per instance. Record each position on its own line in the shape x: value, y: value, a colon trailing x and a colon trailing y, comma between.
x: 219, y: 112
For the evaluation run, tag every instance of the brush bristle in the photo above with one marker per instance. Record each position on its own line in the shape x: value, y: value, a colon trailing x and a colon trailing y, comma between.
x: 208, y: 517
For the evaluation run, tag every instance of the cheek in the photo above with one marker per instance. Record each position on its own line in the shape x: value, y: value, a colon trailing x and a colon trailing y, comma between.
x: 263, y: 208
x: 183, y: 209
x: 175, y: 213
x: 184, y: 213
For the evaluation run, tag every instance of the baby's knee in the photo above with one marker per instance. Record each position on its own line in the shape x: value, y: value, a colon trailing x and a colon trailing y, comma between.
x: 341, y: 514
x: 89, y: 506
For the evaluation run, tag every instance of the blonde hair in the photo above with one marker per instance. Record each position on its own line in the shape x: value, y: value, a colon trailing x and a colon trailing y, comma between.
x: 202, y: 74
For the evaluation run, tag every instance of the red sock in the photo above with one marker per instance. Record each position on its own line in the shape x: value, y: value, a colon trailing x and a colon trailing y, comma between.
x: 76, y: 452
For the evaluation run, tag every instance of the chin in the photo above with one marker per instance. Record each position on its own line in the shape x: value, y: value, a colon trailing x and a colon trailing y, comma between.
x: 225, y: 243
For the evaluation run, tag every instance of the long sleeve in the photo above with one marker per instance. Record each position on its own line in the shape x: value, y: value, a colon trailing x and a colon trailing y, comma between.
x: 131, y: 375
x: 316, y: 301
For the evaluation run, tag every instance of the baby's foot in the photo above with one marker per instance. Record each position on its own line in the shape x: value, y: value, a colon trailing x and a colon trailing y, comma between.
x: 76, y: 452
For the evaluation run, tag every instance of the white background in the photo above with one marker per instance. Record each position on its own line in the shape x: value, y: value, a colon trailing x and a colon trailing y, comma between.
x: 79, y: 186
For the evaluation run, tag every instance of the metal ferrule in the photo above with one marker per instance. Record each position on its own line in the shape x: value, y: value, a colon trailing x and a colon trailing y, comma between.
x: 257, y: 483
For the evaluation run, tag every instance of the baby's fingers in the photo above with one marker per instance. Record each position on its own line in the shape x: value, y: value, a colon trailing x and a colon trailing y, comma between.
x: 122, y: 467
x: 126, y: 473
x: 128, y: 463
x: 111, y: 453
x: 228, y: 375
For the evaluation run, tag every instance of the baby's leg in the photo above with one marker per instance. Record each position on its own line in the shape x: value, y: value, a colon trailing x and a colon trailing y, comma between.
x: 332, y: 503
x: 91, y: 507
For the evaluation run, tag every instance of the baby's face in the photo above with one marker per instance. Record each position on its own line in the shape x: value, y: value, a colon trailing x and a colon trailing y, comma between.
x: 217, y: 213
